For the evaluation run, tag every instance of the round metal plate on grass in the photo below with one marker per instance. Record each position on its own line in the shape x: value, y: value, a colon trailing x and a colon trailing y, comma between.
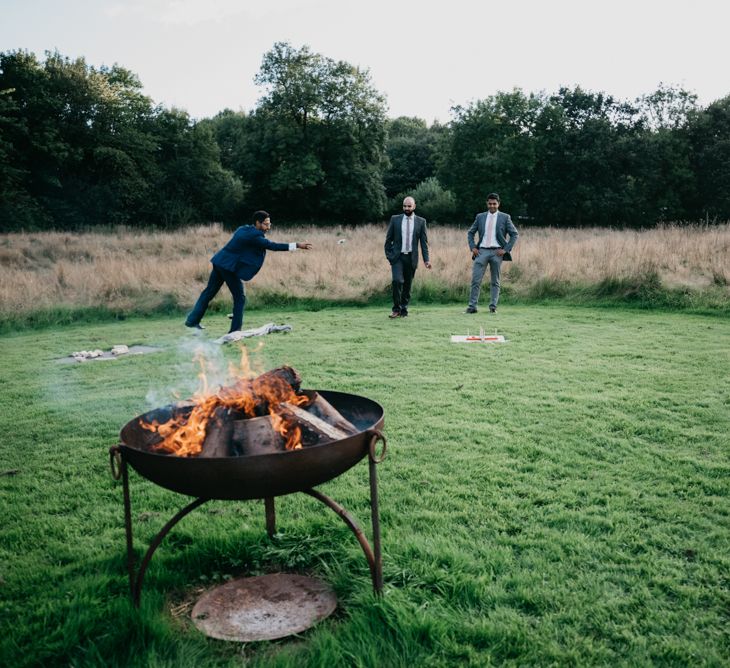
x: 263, y: 607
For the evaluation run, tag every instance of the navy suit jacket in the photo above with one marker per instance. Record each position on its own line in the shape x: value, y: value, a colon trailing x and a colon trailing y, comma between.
x: 245, y: 252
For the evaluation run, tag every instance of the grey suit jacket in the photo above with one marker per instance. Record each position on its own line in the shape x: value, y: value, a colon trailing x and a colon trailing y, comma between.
x: 506, y: 232
x: 394, y: 239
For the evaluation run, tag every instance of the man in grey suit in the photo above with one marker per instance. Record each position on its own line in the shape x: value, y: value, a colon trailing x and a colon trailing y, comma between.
x: 405, y: 233
x: 496, y: 238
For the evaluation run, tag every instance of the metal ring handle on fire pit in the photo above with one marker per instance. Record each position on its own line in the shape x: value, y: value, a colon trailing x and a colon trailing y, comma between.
x: 115, y: 461
x: 377, y: 436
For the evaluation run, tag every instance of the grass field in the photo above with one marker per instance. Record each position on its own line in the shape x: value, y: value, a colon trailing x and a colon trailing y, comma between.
x: 53, y: 278
x: 561, y: 499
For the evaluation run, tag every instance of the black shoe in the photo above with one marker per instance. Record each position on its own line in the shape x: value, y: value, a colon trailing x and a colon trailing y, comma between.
x: 394, y: 314
x: 492, y: 308
x: 198, y: 326
x: 404, y: 313
x: 470, y: 309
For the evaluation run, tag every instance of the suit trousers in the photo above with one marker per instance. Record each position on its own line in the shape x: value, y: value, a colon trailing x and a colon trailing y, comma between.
x: 403, y: 272
x: 479, y: 268
x: 219, y: 276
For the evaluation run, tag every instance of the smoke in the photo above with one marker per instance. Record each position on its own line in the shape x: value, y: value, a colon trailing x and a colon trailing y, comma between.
x: 203, y: 368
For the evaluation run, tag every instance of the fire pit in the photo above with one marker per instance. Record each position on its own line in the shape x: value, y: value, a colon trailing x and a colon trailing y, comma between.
x: 253, y: 476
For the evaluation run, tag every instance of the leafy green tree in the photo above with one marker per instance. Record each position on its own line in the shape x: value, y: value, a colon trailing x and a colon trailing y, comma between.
x: 667, y: 108
x: 664, y: 183
x: 490, y: 147
x: 230, y: 129
x: 316, y: 142
x: 31, y: 141
x: 433, y: 202
x: 582, y: 169
x: 71, y: 138
x: 18, y: 208
x: 412, y: 150
x: 191, y: 183
x: 85, y: 147
x: 709, y: 132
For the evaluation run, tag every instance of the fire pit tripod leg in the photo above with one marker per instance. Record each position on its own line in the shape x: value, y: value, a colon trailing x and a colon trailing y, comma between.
x: 119, y: 469
x: 375, y: 560
x: 375, y: 565
x: 270, y: 510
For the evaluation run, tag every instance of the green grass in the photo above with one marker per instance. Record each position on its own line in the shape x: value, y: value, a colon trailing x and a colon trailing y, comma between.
x: 558, y: 500
x: 644, y: 291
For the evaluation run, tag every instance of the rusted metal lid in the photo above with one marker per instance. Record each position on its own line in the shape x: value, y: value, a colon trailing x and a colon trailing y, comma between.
x: 263, y: 607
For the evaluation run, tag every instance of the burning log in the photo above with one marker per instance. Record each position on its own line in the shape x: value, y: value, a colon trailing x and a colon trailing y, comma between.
x: 324, y: 410
x: 255, y: 436
x: 259, y: 435
x: 312, y: 423
x: 185, y: 435
x: 268, y: 413
x: 257, y: 396
x: 218, y: 435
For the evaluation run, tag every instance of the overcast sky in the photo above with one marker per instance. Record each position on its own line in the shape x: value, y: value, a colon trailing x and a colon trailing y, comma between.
x: 202, y: 55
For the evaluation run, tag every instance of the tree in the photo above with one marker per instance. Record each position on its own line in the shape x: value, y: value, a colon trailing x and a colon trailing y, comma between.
x: 230, y: 129
x: 191, y: 185
x: 667, y: 108
x: 433, y: 201
x: 316, y: 142
x: 490, y: 147
x: 83, y: 146
x: 412, y: 150
x: 709, y: 133
x: 582, y: 169
x: 18, y: 208
x: 663, y: 180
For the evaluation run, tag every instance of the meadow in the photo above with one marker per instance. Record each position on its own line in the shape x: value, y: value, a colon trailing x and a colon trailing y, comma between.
x: 55, y: 278
x: 557, y: 500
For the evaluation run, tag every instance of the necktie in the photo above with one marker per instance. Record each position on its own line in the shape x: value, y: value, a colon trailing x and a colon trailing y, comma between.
x: 490, y: 228
x: 408, y: 234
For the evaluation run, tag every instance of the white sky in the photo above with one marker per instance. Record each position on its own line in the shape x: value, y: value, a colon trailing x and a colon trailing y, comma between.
x: 202, y: 55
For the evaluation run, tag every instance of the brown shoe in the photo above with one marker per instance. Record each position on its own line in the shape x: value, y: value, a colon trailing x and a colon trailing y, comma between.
x: 394, y: 314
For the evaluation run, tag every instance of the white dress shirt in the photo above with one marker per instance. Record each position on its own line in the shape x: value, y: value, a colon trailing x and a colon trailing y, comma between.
x: 490, y: 240
x: 407, y: 238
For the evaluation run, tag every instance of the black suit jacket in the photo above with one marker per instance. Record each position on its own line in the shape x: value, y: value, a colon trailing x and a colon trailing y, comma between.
x: 394, y: 239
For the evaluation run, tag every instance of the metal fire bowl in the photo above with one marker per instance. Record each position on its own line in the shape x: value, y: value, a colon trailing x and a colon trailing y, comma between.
x: 253, y: 476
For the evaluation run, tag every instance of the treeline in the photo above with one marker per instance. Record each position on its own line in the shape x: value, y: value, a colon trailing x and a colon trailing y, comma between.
x: 82, y: 146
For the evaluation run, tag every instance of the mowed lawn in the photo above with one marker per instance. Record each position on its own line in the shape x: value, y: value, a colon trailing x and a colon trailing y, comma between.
x: 561, y: 499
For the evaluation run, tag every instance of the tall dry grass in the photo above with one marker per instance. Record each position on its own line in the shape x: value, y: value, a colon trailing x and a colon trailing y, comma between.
x: 127, y: 271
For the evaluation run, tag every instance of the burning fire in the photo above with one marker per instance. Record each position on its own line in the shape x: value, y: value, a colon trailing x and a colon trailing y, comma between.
x: 248, y: 396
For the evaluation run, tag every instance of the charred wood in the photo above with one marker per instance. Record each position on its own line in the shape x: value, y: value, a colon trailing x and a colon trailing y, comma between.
x: 255, y: 436
x: 218, y: 435
x: 324, y: 410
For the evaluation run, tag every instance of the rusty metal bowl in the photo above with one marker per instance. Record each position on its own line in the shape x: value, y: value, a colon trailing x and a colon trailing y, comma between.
x: 254, y: 476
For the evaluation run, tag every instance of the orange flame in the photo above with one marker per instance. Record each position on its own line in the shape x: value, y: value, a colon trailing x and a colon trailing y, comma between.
x: 184, y: 436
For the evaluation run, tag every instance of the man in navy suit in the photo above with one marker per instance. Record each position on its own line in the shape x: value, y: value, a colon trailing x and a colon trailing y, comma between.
x: 239, y: 260
x: 497, y: 237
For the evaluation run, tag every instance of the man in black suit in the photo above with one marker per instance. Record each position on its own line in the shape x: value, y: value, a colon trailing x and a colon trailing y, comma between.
x: 239, y: 260
x: 405, y: 232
